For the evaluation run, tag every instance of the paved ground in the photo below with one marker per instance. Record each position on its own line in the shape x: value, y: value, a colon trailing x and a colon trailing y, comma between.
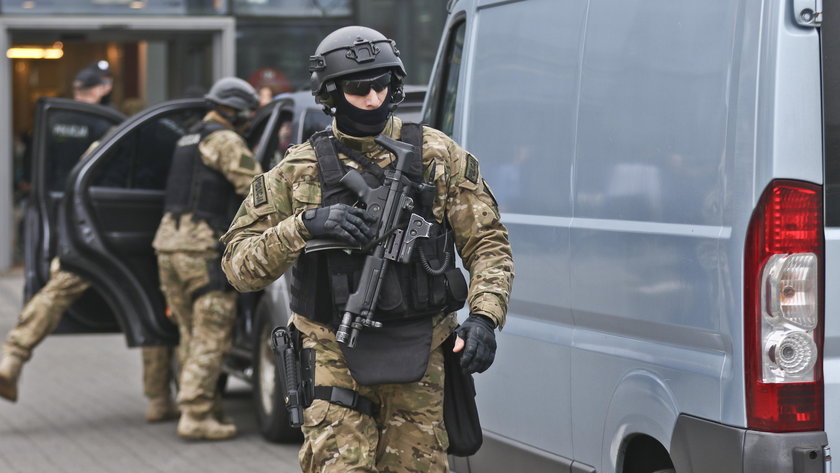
x: 81, y: 410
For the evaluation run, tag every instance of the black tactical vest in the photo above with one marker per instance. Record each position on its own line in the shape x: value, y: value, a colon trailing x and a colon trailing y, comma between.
x: 428, y: 285
x: 193, y: 187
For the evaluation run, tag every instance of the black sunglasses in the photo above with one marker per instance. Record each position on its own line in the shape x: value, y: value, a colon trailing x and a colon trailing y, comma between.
x: 362, y: 86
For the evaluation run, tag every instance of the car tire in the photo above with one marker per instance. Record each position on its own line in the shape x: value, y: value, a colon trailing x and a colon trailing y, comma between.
x: 272, y: 416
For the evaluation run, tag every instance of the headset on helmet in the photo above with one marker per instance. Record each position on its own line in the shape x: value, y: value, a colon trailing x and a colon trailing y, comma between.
x: 350, y: 50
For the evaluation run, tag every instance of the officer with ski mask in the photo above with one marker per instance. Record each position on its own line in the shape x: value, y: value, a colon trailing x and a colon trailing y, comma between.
x: 376, y: 406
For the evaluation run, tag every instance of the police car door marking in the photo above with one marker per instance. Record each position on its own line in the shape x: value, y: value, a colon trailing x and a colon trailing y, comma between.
x: 70, y: 131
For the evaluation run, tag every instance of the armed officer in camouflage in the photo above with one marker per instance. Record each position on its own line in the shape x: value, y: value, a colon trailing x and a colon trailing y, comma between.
x: 211, y: 168
x: 378, y: 407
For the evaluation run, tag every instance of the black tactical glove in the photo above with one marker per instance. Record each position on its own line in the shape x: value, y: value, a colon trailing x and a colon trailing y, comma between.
x: 480, y: 343
x: 342, y: 222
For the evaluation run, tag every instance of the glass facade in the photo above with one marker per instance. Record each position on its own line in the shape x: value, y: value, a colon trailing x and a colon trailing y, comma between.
x: 416, y: 26
x: 114, y: 7
x: 285, y: 43
x: 280, y: 45
x: 293, y: 8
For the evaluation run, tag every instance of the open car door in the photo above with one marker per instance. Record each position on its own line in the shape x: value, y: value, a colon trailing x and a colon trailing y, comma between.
x: 113, y: 205
x: 64, y: 130
x: 266, y: 139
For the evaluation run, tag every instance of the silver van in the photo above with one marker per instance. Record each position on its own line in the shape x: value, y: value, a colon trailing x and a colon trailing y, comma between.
x: 669, y: 171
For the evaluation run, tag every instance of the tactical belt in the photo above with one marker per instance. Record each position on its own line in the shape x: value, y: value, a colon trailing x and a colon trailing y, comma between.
x: 347, y: 398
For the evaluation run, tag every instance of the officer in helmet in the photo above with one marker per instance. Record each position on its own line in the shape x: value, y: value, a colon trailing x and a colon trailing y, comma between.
x: 377, y: 406
x: 211, y: 169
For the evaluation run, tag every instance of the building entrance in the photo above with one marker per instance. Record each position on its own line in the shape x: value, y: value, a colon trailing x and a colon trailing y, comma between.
x: 151, y: 60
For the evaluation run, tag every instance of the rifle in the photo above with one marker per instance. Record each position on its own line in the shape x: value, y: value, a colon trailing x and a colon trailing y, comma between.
x: 388, y: 203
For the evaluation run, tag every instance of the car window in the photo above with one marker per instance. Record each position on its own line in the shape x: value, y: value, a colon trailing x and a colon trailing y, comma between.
x: 69, y: 134
x: 444, y: 90
x: 410, y: 113
x: 314, y: 120
x: 141, y: 159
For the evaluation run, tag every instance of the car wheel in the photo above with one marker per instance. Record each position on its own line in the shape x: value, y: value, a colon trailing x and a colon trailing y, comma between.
x: 268, y: 399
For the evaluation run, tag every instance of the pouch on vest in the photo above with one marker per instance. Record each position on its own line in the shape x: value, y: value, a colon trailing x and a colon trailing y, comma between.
x: 391, y: 294
x: 456, y: 288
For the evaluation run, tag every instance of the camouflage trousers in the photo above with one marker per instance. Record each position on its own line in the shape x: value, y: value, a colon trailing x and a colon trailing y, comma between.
x: 157, y: 371
x: 205, y: 324
x: 41, y: 314
x: 407, y: 435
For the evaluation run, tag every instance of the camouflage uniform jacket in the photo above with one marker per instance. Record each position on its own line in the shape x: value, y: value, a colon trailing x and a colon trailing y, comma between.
x: 226, y: 152
x: 267, y: 233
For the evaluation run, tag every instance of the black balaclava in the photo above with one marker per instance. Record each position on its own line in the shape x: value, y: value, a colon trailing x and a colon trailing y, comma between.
x: 355, y: 121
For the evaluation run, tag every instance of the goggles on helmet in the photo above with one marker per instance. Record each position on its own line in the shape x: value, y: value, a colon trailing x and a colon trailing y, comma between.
x: 362, y: 87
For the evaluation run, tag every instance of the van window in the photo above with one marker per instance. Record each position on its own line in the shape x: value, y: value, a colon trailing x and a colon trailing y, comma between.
x: 652, y: 136
x: 141, y: 159
x: 522, y: 104
x: 444, y: 90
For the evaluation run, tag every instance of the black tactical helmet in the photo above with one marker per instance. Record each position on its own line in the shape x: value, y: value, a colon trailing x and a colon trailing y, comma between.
x: 350, y: 50
x: 234, y: 93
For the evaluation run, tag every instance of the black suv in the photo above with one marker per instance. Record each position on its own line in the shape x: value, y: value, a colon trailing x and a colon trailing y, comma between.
x: 99, y: 214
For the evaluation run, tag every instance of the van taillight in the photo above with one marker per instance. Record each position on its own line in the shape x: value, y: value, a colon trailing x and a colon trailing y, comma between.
x: 783, y: 309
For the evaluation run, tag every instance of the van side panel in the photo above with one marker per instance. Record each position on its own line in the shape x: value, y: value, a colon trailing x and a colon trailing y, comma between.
x: 521, y: 107
x: 790, y: 119
x: 627, y: 142
x: 648, y: 262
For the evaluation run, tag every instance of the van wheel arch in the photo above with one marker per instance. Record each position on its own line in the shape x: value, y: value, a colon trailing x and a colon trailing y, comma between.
x: 644, y: 454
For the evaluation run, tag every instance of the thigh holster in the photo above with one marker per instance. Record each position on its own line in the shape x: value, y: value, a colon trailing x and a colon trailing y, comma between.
x: 347, y: 398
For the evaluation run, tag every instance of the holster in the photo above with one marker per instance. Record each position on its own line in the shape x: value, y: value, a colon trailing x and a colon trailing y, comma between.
x: 296, y: 369
x: 460, y: 414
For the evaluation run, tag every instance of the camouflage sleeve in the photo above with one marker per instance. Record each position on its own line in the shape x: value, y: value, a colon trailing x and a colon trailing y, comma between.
x: 480, y: 237
x: 266, y: 235
x: 226, y: 152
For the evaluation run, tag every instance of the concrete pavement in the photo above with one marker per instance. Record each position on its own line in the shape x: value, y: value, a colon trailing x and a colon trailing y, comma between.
x: 81, y: 410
